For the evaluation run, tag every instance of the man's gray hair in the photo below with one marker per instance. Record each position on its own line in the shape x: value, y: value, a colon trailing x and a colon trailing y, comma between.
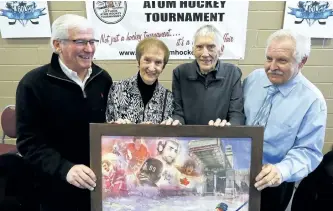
x: 62, y: 25
x: 208, y: 30
x: 302, y: 43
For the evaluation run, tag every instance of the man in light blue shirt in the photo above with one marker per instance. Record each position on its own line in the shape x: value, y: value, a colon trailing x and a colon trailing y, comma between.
x: 293, y: 112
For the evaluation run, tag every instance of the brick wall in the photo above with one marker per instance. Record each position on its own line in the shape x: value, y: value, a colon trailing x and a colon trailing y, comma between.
x: 17, y: 56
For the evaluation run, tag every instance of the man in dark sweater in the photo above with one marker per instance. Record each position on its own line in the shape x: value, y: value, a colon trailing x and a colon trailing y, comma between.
x: 207, y: 91
x: 55, y: 104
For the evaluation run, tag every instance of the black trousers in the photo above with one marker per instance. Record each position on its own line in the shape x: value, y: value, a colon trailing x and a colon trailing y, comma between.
x: 60, y: 200
x: 277, y: 198
x: 65, y: 207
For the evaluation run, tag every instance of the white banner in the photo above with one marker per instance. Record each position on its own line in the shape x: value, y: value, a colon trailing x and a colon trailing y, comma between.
x: 120, y: 25
x: 312, y: 18
x: 24, y: 19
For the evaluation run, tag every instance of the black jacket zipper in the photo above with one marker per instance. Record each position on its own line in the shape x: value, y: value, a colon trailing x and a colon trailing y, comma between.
x: 83, y: 91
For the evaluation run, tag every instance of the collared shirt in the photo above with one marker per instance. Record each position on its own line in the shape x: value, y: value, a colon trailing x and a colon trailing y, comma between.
x: 295, y: 130
x: 74, y: 76
x: 217, y: 66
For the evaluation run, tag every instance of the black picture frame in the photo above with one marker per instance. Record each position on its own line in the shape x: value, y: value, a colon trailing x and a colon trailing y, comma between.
x: 97, y: 131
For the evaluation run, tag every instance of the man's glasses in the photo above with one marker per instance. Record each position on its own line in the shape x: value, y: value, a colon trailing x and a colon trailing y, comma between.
x: 80, y: 42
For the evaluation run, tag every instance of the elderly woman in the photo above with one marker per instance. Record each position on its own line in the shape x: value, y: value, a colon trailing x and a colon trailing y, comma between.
x: 141, y: 98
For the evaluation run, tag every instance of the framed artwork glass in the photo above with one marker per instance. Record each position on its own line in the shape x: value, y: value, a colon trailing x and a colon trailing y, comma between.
x: 159, y: 167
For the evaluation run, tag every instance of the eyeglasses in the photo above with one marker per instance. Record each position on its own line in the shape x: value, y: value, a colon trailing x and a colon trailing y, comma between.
x: 81, y: 42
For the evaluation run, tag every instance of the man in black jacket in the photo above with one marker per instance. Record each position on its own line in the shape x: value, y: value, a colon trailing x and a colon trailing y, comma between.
x: 55, y: 104
x: 207, y: 90
x: 315, y: 192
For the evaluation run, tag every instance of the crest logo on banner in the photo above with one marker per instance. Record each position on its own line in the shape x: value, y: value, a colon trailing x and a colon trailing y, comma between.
x: 311, y: 11
x: 24, y: 19
x: 311, y: 18
x: 110, y: 12
x: 22, y: 11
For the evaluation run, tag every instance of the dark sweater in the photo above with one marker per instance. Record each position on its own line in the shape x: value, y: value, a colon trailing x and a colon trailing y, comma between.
x: 199, y: 99
x: 53, y: 116
x: 146, y: 90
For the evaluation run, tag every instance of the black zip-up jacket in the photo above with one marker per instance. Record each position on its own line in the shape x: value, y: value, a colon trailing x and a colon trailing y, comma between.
x: 53, y: 116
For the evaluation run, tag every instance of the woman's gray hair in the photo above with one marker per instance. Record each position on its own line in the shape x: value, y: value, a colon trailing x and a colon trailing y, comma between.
x: 62, y: 25
x: 208, y: 30
x: 302, y: 43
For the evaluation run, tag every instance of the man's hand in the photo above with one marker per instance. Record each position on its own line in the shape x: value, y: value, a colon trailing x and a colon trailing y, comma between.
x: 81, y: 176
x: 123, y: 121
x: 170, y: 121
x: 219, y: 123
x: 269, y: 176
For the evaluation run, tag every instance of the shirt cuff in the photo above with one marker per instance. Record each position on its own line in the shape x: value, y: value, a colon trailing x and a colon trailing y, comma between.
x: 64, y: 169
x: 284, y: 171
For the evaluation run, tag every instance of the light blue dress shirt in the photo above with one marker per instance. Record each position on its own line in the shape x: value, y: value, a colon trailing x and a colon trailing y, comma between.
x: 295, y: 131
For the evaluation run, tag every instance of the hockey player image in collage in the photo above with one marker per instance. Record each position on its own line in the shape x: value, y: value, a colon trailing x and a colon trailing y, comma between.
x: 149, y: 173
